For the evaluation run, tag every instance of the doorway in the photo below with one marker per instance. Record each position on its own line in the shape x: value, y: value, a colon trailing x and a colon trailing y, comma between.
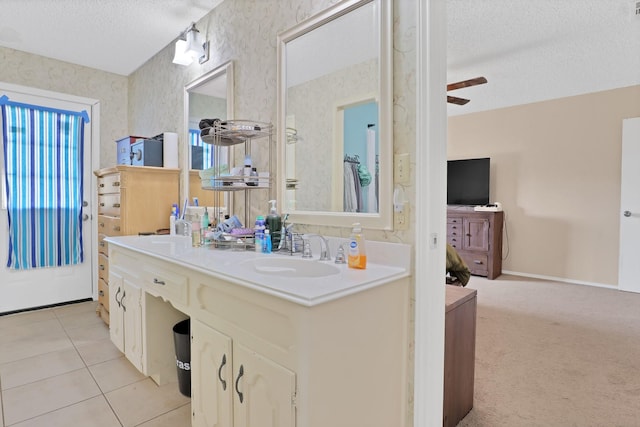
x: 29, y: 288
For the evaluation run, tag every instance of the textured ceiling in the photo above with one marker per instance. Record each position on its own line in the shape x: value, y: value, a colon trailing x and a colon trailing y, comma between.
x: 529, y: 50
x: 111, y: 35
x: 537, y: 50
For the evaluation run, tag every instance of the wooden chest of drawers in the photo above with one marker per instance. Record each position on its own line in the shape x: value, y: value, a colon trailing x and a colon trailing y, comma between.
x: 477, y: 237
x: 131, y: 200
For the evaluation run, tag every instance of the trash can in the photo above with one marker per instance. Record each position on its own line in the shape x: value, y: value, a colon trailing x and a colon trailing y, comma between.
x: 182, y: 342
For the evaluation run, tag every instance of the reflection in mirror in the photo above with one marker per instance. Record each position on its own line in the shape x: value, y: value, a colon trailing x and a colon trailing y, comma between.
x: 335, y: 107
x: 208, y: 97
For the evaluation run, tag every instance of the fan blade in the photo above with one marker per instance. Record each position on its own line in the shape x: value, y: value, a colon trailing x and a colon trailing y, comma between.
x: 467, y: 83
x: 455, y: 100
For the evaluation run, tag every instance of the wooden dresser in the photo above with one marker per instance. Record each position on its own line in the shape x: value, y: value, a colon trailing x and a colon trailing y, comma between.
x: 477, y: 237
x: 131, y: 200
x: 459, y: 353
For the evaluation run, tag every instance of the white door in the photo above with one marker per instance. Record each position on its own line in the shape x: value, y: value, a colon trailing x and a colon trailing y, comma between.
x: 20, y: 289
x: 629, y: 267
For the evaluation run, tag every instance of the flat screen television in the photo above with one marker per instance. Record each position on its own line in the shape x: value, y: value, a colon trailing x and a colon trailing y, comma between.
x: 468, y: 182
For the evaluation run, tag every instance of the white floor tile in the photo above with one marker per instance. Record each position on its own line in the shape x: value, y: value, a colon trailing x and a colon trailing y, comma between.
x: 33, y: 344
x: 34, y: 399
x: 116, y: 373
x: 177, y: 417
x: 89, y: 334
x: 25, y: 371
x: 98, y: 351
x: 94, y: 412
x: 144, y: 400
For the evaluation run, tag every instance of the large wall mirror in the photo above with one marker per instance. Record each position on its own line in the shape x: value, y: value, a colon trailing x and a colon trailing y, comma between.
x: 335, y: 116
x: 208, y: 97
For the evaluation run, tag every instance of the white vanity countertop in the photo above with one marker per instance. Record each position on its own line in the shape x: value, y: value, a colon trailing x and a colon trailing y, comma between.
x: 386, y: 262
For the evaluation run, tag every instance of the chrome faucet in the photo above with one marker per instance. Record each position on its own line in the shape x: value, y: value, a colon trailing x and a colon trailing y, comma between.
x: 325, y: 255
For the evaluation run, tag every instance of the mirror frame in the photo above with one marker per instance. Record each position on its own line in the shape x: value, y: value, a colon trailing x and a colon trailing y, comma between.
x: 226, y: 68
x: 383, y: 220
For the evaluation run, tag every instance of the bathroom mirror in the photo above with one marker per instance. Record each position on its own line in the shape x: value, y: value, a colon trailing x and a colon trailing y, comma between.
x: 209, y: 96
x: 335, y: 117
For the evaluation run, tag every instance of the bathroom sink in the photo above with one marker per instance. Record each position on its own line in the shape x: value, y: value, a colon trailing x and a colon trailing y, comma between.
x: 291, y: 267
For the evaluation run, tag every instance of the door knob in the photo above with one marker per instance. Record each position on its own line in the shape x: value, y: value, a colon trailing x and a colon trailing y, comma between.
x: 626, y: 213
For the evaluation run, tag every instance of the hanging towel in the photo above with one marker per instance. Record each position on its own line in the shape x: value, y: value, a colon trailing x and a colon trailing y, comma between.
x: 350, y: 195
x: 43, y: 150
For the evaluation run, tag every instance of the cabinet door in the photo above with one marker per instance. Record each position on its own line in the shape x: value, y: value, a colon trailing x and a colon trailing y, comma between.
x: 264, y: 392
x: 476, y: 234
x: 132, y: 310
x: 116, y: 319
x: 211, y: 377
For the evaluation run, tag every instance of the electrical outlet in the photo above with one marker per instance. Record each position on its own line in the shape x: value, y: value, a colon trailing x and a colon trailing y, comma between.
x: 401, y: 168
x: 401, y: 218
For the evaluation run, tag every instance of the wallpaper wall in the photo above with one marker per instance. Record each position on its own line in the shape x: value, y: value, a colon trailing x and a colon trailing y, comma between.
x: 245, y: 31
x: 25, y: 69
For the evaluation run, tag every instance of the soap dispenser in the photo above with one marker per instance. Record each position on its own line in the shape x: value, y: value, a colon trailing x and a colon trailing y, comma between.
x: 274, y: 222
x: 357, y: 257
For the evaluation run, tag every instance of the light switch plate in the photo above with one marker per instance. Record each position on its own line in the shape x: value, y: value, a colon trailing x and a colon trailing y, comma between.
x: 401, y: 168
x: 401, y: 218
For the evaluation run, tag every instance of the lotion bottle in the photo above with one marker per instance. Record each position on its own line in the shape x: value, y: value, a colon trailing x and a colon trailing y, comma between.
x: 357, y: 257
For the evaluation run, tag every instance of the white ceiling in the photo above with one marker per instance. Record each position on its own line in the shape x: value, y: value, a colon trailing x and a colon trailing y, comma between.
x: 529, y: 50
x: 117, y: 36
x: 537, y: 50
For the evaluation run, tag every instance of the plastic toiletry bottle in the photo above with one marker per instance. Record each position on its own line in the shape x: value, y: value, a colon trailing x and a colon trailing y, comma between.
x: 172, y: 225
x: 259, y: 233
x: 196, y: 234
x: 247, y: 168
x: 357, y: 252
x: 267, y: 242
x: 253, y: 178
x: 205, y: 220
x: 274, y: 222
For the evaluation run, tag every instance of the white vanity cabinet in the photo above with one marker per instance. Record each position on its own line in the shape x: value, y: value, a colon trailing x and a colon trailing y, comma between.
x: 258, y: 357
x: 125, y: 326
x: 234, y: 386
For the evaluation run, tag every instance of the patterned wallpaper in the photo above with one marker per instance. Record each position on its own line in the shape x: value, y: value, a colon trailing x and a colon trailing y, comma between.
x: 245, y: 31
x: 26, y: 69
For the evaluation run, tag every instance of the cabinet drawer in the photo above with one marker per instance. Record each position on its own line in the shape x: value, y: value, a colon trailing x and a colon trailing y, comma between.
x: 109, y: 204
x: 477, y: 263
x: 103, y: 247
x: 454, y: 229
x: 103, y: 267
x: 109, y: 225
x: 109, y: 184
x: 165, y: 283
x: 454, y: 220
x: 103, y: 293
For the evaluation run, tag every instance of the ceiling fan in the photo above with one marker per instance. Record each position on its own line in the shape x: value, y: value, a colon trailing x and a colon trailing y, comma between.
x: 460, y: 85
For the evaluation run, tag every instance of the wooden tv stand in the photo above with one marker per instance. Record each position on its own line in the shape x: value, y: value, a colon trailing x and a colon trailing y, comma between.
x: 477, y: 237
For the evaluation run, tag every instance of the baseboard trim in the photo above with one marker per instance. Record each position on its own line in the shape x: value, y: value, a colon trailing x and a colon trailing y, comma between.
x: 560, y: 279
x: 59, y: 304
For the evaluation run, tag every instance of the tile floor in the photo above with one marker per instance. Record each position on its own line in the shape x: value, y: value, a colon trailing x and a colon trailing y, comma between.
x: 58, y: 368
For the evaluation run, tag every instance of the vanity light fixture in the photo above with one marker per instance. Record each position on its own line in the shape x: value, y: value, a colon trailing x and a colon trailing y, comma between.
x: 191, y: 45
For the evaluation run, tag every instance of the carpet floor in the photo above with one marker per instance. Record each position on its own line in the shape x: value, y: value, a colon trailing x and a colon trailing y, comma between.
x: 555, y: 354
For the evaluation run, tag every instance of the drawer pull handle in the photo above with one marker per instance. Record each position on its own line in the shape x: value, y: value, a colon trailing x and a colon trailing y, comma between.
x: 116, y: 228
x: 240, y: 374
x: 116, y: 184
x: 101, y: 224
x: 101, y: 267
x: 224, y: 362
x: 116, y: 205
x: 101, y: 244
x: 158, y: 282
x: 101, y: 293
x: 101, y: 185
x: 477, y: 261
x: 102, y: 205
